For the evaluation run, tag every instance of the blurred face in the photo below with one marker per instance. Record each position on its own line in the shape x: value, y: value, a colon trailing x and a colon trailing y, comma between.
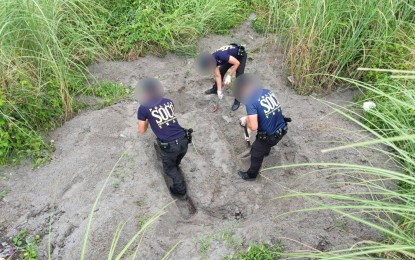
x: 247, y: 89
x: 149, y: 94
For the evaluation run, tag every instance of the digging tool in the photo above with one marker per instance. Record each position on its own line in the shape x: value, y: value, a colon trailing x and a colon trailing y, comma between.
x: 247, y: 137
x: 244, y: 124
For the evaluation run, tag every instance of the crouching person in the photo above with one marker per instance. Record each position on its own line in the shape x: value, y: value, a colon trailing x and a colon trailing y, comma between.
x: 158, y: 112
x: 264, y: 115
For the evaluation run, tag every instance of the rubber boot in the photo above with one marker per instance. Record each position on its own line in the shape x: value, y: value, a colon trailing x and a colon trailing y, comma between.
x: 245, y: 176
x: 235, y: 105
x: 213, y: 90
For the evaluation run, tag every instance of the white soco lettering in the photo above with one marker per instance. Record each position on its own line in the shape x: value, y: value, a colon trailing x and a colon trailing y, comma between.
x: 164, y: 114
x: 270, y: 103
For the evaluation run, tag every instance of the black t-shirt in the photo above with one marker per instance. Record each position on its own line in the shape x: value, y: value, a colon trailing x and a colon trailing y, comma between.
x: 223, y: 54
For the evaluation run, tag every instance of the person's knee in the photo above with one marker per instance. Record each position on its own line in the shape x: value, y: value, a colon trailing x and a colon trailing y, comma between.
x: 257, y: 152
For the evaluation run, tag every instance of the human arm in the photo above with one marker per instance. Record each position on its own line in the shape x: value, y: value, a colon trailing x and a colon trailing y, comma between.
x: 218, y: 78
x: 252, y: 122
x: 235, y: 64
x: 142, y: 126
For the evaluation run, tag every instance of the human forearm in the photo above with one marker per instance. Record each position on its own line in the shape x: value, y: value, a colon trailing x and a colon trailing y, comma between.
x: 233, y: 70
x: 218, y: 80
x: 252, y: 123
x: 142, y: 126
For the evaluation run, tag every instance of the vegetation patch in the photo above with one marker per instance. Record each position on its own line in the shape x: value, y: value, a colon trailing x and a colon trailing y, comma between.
x: 260, y: 251
x: 138, y: 27
x: 334, y: 37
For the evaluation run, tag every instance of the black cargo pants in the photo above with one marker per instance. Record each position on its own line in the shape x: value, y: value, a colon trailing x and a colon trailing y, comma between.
x: 260, y: 149
x: 172, y: 157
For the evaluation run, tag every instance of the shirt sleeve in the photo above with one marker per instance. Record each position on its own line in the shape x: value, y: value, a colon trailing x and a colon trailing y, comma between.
x: 251, y: 110
x: 141, y: 114
x: 224, y: 57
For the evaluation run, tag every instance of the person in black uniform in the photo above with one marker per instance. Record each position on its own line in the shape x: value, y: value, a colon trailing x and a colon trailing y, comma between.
x: 233, y: 57
x: 264, y: 115
x: 158, y: 112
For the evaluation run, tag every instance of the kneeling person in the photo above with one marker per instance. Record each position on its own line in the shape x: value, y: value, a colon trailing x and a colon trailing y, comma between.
x: 158, y: 112
x: 264, y: 114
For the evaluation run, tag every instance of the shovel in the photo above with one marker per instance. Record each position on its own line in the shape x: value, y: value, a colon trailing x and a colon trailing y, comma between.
x: 246, y: 135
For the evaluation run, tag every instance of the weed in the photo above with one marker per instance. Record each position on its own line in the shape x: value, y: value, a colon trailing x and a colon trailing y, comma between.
x: 262, y: 251
x: 340, y: 224
x: 4, y: 193
x: 204, y: 246
x: 226, y: 234
x: 142, y: 220
x: 109, y: 92
x: 26, y: 245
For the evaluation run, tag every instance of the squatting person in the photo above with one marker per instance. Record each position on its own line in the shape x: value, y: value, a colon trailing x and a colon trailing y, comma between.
x: 264, y: 115
x: 158, y: 112
x: 233, y: 57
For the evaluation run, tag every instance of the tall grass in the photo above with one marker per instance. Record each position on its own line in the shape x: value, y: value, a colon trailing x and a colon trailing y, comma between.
x: 383, y: 207
x: 334, y: 37
x: 44, y: 48
x: 155, y: 26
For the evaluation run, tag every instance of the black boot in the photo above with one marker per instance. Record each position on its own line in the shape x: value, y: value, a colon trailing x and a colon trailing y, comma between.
x: 213, y: 90
x: 180, y: 195
x: 236, y: 105
x: 245, y: 176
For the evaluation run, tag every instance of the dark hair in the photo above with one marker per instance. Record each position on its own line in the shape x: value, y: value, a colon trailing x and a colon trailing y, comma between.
x: 206, y: 61
x: 243, y: 81
x: 150, y: 85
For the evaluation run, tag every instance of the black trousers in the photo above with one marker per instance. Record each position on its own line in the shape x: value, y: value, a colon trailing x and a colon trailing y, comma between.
x: 172, y: 157
x: 260, y: 149
x: 225, y: 67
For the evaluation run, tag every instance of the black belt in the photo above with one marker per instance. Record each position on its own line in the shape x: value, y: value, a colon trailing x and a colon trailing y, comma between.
x: 280, y: 132
x: 171, y: 142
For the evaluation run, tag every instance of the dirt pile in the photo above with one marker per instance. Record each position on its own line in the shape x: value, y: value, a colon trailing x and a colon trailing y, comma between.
x: 229, y: 211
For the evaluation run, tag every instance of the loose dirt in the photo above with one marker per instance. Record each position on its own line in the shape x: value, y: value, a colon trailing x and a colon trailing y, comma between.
x: 224, y: 213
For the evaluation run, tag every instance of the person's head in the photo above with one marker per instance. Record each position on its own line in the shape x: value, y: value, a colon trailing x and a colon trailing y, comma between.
x: 206, y: 62
x: 245, y: 88
x: 149, y: 91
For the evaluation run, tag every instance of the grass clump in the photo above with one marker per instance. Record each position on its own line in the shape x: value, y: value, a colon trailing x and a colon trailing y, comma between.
x: 109, y: 92
x: 260, y: 251
x: 26, y: 245
x: 138, y: 27
x: 334, y: 37
x: 45, y: 46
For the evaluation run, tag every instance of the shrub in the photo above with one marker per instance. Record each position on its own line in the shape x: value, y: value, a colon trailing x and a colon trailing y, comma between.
x: 140, y: 26
x: 45, y: 46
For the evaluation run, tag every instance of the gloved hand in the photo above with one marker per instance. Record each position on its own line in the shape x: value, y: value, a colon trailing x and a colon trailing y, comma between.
x: 242, y: 121
x: 228, y: 80
x: 220, y: 94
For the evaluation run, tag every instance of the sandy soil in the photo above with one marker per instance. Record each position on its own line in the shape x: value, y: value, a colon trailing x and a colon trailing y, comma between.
x: 230, y: 213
